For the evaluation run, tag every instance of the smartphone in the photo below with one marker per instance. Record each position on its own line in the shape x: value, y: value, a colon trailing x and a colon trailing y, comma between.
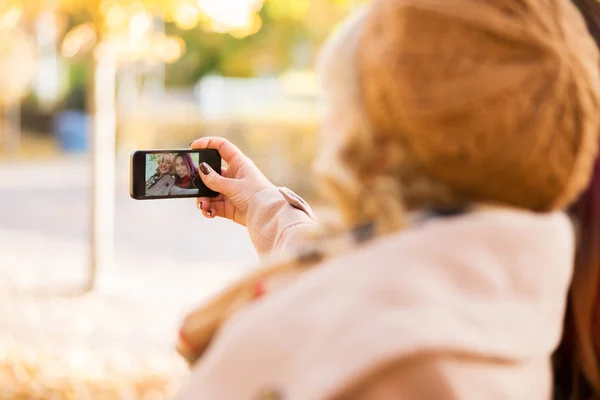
x: 171, y: 174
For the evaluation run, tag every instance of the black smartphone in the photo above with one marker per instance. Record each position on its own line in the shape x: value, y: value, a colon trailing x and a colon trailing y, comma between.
x: 171, y: 174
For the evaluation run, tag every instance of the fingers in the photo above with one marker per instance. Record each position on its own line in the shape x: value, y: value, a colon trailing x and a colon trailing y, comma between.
x: 226, y: 186
x: 224, y: 172
x: 203, y: 203
x: 211, y: 208
x: 226, y: 149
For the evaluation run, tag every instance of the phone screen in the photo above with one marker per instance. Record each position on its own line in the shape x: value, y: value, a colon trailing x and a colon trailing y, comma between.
x: 171, y: 173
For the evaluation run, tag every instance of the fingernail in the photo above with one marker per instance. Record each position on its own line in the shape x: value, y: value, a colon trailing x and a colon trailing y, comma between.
x: 204, y: 168
x: 190, y: 145
x: 210, y: 213
x: 199, y: 206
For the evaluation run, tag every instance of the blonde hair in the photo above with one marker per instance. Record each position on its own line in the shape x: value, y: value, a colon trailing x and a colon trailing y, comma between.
x: 368, y: 180
x: 159, y: 160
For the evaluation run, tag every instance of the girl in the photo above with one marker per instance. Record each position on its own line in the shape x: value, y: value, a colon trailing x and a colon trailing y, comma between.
x: 163, y: 179
x: 186, y: 171
x: 458, y: 133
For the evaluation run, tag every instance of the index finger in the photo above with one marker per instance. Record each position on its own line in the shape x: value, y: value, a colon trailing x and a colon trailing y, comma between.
x: 226, y: 149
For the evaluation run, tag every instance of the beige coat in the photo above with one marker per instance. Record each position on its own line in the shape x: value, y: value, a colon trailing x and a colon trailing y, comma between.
x: 166, y: 186
x: 466, y: 307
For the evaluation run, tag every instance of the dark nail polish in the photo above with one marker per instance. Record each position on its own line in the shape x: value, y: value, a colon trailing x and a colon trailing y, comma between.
x: 209, y: 212
x: 190, y: 145
x: 204, y: 168
x: 200, y: 204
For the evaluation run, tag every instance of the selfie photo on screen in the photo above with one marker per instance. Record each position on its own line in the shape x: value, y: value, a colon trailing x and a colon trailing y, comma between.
x: 171, y: 174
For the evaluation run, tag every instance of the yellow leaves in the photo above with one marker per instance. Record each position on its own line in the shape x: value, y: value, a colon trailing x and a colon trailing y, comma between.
x: 154, y: 47
x: 295, y: 10
x: 239, y: 18
x: 127, y: 34
x: 78, y: 40
x: 298, y: 10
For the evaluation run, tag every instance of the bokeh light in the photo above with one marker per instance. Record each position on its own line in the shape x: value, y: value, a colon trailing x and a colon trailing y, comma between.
x: 10, y: 17
x: 18, y: 56
x: 116, y: 17
x: 293, y: 9
x: 252, y: 27
x: 80, y: 39
x: 187, y: 16
x: 230, y: 14
x: 169, y: 49
x: 140, y: 24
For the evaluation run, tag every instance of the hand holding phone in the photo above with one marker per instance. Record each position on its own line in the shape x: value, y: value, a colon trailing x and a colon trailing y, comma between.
x: 168, y: 174
x: 237, y: 184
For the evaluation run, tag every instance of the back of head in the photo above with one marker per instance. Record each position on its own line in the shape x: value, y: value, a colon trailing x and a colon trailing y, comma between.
x: 497, y: 101
x: 450, y: 102
x: 467, y: 101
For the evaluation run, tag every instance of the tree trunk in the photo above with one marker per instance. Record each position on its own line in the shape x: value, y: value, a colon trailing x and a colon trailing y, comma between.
x: 102, y: 108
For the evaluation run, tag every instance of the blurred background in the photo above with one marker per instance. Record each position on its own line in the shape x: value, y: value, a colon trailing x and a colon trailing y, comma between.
x: 93, y: 284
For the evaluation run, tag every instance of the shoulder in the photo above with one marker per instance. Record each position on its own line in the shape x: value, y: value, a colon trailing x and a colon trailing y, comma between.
x: 494, y: 281
x: 501, y: 249
x: 507, y: 249
x: 490, y: 285
x: 167, y: 179
x: 488, y: 260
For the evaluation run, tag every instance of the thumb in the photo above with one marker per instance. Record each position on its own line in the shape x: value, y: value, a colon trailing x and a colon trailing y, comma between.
x: 216, y: 182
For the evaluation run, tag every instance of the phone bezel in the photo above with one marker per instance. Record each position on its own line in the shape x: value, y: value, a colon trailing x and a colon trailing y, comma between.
x: 137, y: 188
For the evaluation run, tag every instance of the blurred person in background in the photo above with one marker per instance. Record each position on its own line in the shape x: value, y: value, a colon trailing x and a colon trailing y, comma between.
x: 449, y: 275
x: 186, y: 172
